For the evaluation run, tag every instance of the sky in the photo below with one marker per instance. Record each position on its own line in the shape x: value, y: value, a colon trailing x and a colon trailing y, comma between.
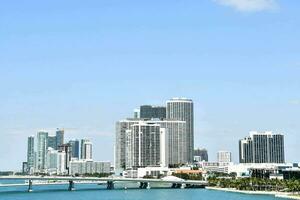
x: 83, y: 66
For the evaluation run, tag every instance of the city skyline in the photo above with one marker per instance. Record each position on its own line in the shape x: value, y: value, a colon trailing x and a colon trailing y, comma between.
x: 80, y: 67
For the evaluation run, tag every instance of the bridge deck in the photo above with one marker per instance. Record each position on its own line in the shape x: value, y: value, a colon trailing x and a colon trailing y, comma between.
x: 79, y: 179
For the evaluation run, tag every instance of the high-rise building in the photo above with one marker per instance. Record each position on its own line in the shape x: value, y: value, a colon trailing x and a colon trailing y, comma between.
x: 30, y: 155
x: 224, y: 156
x: 51, y: 142
x: 42, y: 138
x: 176, y: 140
x: 56, y: 162
x: 262, y: 148
x: 66, y: 149
x: 60, y: 134
x: 74, y: 148
x: 200, y: 155
x: 174, y: 152
x: 152, y: 112
x: 143, y: 145
x: 182, y: 109
x: 120, y: 142
x: 82, y: 167
x: 86, y: 149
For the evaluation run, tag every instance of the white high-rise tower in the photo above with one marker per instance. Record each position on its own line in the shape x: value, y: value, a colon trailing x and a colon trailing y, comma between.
x: 183, y: 109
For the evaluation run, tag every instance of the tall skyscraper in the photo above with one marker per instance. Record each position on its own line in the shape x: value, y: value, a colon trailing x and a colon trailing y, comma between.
x: 182, y: 109
x: 152, y: 112
x: 60, y: 134
x: 176, y: 140
x: 201, y: 154
x: 143, y: 145
x: 262, y: 148
x: 173, y: 152
x: 224, y: 156
x: 86, y: 149
x: 74, y: 148
x: 120, y: 142
x: 30, y: 155
x: 42, y: 142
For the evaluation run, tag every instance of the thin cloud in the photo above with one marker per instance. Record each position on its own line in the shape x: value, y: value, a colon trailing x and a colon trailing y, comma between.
x: 250, y: 5
x: 295, y: 102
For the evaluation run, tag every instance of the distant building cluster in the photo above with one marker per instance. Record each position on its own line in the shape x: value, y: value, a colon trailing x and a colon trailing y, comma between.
x: 49, y: 154
x: 159, y: 141
x: 156, y: 136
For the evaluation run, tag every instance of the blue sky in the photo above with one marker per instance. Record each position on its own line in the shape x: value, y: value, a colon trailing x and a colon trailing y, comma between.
x: 85, y: 65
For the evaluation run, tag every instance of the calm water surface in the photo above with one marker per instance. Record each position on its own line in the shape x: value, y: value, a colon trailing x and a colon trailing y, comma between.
x: 94, y: 192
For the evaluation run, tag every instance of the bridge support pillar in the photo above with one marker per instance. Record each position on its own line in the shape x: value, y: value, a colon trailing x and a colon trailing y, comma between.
x: 183, y: 186
x: 176, y: 185
x: 71, y: 186
x: 144, y: 185
x: 30, y: 186
x: 110, y: 185
x: 148, y: 186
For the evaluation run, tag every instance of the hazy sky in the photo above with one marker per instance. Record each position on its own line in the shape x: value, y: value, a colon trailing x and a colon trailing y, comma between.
x: 83, y: 65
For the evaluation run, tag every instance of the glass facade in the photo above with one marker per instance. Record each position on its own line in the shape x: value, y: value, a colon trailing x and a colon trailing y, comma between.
x: 59, y: 138
x: 152, y: 112
x: 74, y: 148
x: 30, y: 154
x: 42, y: 138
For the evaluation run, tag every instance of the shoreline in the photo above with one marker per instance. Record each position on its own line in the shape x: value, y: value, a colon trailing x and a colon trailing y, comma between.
x: 273, y: 193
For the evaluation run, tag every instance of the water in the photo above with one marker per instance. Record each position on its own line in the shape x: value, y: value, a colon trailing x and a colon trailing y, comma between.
x: 96, y: 192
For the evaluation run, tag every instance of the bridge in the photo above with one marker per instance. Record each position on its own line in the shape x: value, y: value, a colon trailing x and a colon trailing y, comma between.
x: 109, y: 182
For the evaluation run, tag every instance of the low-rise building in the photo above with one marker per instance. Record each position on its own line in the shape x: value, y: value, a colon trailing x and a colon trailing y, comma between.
x: 81, y: 167
x: 258, y: 169
x: 215, y: 166
x: 291, y: 173
x: 153, y: 172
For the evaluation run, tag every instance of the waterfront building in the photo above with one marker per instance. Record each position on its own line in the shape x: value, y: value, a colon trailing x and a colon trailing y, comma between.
x: 66, y: 149
x: 56, y: 162
x: 291, y: 174
x: 182, y: 109
x: 224, y: 156
x: 176, y: 141
x: 81, y: 167
x: 200, y: 155
x: 153, y: 172
x: 86, y: 149
x: 173, y: 141
x: 60, y: 134
x: 42, y: 137
x: 120, y: 143
x: 263, y: 147
x: 143, y: 145
x: 74, y: 148
x: 30, y: 155
x: 152, y: 112
x: 247, y: 169
x: 215, y: 166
